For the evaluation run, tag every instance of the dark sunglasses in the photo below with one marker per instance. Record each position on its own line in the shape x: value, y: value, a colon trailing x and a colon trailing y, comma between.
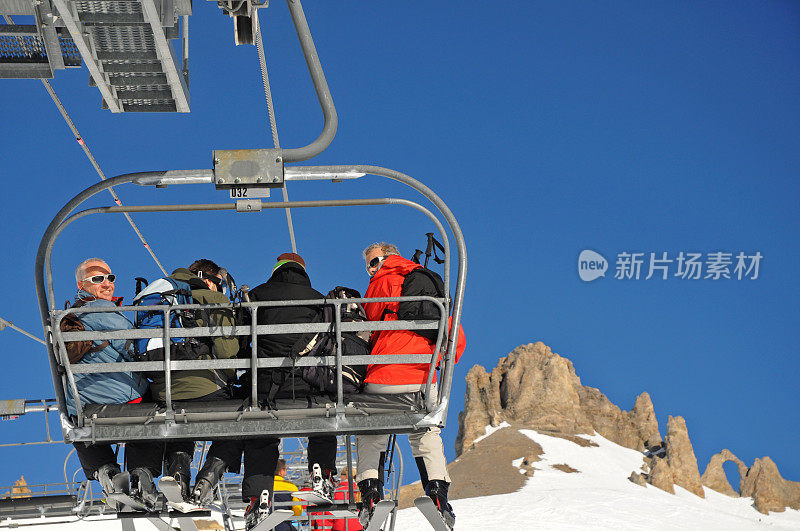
x: 98, y: 279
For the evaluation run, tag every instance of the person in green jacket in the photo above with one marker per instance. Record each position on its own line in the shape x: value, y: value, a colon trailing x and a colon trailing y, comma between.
x: 205, y: 278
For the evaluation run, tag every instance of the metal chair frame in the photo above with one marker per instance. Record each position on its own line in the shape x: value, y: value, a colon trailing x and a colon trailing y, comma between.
x: 340, y: 417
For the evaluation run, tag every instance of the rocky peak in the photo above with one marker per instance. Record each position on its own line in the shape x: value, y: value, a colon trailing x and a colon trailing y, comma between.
x: 714, y: 477
x: 536, y: 387
x: 768, y: 489
x: 533, y: 387
x: 676, y: 464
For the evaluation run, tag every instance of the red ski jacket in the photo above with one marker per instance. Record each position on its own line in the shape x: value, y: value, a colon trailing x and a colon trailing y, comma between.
x: 347, y: 524
x: 388, y: 282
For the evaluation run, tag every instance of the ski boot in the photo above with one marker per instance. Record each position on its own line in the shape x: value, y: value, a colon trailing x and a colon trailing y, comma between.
x: 206, y: 480
x: 371, y: 493
x: 105, y: 475
x: 257, y: 510
x: 143, y: 488
x: 436, y: 489
x: 322, y: 482
x: 179, y: 466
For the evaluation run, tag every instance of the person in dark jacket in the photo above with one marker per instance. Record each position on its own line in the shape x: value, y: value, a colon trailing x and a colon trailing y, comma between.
x: 289, y: 281
x: 95, y: 283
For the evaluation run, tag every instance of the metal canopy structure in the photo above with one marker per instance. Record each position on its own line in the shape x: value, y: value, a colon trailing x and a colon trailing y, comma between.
x: 125, y: 45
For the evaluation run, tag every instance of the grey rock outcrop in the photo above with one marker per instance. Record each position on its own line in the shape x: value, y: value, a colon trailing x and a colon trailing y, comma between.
x: 537, y: 388
x: 714, y: 477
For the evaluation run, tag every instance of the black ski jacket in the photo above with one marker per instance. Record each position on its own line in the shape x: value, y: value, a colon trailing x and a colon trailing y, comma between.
x: 288, y: 282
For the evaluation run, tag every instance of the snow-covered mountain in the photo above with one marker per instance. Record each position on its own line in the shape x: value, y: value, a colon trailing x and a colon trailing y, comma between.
x: 535, y: 388
x: 576, y: 485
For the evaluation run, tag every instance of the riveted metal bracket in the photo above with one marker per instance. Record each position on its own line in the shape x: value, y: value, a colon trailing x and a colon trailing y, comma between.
x: 248, y: 167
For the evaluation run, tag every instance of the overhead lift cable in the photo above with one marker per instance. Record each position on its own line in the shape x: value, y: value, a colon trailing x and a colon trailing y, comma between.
x: 86, y: 150
x: 272, y: 122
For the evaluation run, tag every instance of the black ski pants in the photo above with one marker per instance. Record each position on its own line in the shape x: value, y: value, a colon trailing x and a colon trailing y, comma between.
x: 138, y: 454
x: 322, y: 450
x: 187, y: 446
x: 261, y: 459
x: 151, y: 454
x: 93, y: 456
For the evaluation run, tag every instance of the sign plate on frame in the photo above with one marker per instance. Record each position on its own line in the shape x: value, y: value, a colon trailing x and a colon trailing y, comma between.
x: 248, y: 192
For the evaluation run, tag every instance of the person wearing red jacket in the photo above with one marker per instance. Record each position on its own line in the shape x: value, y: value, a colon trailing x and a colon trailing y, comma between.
x: 341, y: 496
x: 338, y: 524
x: 388, y: 270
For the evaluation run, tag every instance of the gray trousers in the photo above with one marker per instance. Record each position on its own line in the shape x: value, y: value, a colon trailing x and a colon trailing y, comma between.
x: 426, y: 445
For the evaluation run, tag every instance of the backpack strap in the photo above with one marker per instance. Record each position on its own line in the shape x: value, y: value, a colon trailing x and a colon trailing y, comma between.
x: 98, y: 348
x: 104, y: 344
x: 306, y: 342
x: 277, y: 378
x: 74, y: 318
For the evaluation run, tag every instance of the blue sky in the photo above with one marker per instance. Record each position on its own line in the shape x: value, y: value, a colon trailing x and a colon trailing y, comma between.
x: 548, y: 128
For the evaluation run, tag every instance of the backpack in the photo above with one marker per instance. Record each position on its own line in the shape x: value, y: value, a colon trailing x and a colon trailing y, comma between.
x: 167, y: 291
x: 76, y: 350
x: 322, y: 378
x: 421, y: 281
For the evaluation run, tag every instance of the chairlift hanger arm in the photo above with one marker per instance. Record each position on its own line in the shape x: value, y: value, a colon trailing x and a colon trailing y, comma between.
x: 320, y: 86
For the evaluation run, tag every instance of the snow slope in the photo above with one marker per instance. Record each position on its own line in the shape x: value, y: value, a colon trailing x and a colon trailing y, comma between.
x: 598, y: 496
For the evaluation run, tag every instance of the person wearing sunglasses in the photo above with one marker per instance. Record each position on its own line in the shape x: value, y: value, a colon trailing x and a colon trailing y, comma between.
x: 387, y: 270
x: 95, y: 283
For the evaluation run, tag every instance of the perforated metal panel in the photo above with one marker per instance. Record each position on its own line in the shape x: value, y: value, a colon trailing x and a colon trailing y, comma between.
x: 118, y: 40
x: 72, y: 57
x: 22, y: 49
x: 23, y: 53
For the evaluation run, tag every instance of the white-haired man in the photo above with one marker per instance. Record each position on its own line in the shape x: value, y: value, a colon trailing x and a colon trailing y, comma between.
x: 387, y: 270
x: 95, y: 283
